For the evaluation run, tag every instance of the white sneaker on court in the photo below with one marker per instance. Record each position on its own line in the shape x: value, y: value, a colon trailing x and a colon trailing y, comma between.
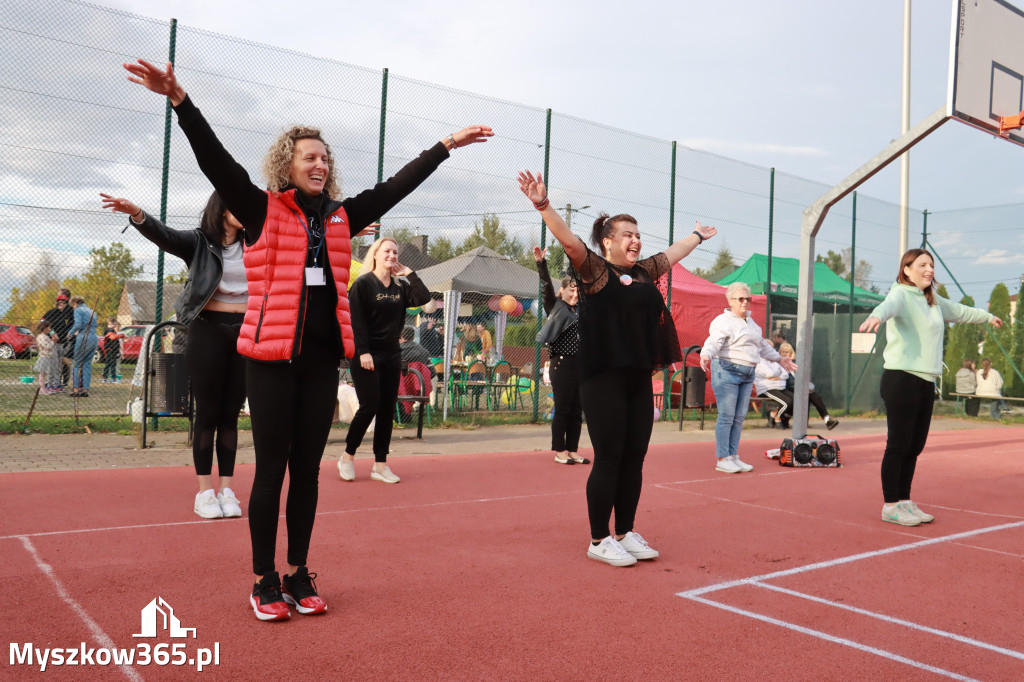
x: 347, y: 470
x: 740, y: 463
x: 727, y: 466
x: 207, y: 506
x: 637, y: 546
x: 610, y: 552
x: 229, y: 504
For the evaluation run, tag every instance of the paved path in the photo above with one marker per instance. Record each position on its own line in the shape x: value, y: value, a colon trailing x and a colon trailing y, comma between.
x: 42, y: 452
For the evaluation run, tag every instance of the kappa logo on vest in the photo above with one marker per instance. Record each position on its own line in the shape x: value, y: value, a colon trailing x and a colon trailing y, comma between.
x: 335, y: 219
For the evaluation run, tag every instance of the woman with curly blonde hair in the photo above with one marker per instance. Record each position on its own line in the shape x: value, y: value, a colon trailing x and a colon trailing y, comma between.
x: 297, y: 325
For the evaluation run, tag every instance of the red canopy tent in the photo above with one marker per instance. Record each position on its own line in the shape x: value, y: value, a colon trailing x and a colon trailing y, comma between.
x: 695, y: 303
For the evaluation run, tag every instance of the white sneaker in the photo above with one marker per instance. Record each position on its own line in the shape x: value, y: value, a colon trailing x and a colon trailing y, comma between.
x: 229, y: 503
x: 637, y: 546
x: 610, y: 552
x: 916, y: 512
x: 207, y: 506
x: 897, y: 514
x: 347, y: 470
x: 727, y: 466
x: 385, y: 476
x: 740, y: 463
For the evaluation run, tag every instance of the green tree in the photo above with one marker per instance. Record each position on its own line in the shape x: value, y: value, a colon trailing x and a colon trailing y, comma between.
x: 723, y: 261
x: 179, y: 277
x: 491, y: 234
x: 963, y: 345
x: 1017, y: 386
x: 834, y: 261
x: 999, y: 305
x: 441, y: 249
x: 102, y: 284
x: 29, y: 303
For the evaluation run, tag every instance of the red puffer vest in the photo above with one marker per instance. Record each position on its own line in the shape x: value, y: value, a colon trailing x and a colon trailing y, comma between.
x: 275, y: 270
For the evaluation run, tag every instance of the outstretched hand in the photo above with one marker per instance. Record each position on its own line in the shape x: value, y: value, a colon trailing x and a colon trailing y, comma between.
x: 870, y: 325
x: 153, y: 78
x: 533, y: 187
x: 472, y: 135
x: 788, y: 365
x: 706, y: 232
x: 118, y: 205
x: 539, y: 254
x: 997, y: 323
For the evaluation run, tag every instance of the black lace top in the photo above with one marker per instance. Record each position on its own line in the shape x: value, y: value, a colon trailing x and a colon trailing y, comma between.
x: 623, y: 319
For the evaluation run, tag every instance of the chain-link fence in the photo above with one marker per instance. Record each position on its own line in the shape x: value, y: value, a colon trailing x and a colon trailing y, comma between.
x: 73, y: 126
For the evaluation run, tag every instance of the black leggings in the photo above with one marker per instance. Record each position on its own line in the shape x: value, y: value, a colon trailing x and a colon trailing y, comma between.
x: 784, y: 398
x: 110, y: 360
x: 619, y: 405
x: 908, y: 406
x: 377, y: 391
x: 568, y: 419
x: 217, y: 373
x: 292, y: 406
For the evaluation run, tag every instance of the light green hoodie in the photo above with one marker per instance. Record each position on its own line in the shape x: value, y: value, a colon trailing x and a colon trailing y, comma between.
x: 914, y: 329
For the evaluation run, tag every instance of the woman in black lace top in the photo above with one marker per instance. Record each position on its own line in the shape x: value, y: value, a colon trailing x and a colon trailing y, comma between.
x: 625, y: 334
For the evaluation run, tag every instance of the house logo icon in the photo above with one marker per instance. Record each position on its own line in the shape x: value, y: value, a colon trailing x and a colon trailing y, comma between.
x: 151, y: 622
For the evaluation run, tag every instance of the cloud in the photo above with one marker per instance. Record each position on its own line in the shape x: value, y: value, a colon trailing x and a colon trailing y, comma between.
x: 719, y: 146
x: 999, y: 257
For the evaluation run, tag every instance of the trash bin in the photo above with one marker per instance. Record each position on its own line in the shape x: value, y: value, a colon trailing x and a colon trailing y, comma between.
x: 168, y: 389
x: 694, y: 381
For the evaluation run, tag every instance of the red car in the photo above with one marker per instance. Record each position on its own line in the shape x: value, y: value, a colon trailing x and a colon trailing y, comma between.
x: 131, y: 344
x: 16, y: 341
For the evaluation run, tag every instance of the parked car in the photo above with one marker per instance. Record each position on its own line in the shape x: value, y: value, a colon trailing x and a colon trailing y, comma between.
x: 131, y: 344
x: 16, y: 341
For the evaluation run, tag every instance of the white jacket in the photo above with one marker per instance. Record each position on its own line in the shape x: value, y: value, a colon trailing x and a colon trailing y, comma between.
x: 769, y: 375
x: 737, y: 340
x: 991, y: 387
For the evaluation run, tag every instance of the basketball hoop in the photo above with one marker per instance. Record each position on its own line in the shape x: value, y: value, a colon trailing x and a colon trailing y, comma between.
x: 1008, y: 123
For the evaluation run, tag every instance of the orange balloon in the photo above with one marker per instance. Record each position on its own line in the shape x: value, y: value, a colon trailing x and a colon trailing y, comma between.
x: 508, y: 303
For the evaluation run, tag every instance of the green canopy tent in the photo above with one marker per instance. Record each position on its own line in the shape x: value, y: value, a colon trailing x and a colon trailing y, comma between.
x: 830, y: 290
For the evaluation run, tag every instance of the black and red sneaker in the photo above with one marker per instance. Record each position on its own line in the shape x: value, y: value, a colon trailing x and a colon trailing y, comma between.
x: 266, y: 599
x: 299, y: 590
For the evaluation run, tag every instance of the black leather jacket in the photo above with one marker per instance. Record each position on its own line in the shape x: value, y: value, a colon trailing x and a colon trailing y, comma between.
x: 204, y: 260
x: 560, y: 315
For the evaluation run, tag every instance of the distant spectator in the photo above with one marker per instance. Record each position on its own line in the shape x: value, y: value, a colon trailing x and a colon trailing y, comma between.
x: 414, y: 352
x: 111, y: 350
x: 778, y: 337
x: 990, y: 385
x: 430, y: 338
x: 61, y: 318
x: 84, y: 333
x: 967, y: 383
x: 485, y: 338
x: 48, y: 365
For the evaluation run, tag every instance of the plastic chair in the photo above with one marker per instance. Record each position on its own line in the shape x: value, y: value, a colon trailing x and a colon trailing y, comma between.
x: 474, y: 380
x: 502, y: 381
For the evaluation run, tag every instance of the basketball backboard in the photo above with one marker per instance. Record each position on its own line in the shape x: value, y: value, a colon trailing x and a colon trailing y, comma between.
x: 986, y: 71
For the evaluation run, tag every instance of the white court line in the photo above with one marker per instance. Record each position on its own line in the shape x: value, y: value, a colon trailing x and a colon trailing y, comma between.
x: 897, y: 621
x: 98, y: 634
x: 832, y: 638
x: 847, y: 559
x: 171, y: 524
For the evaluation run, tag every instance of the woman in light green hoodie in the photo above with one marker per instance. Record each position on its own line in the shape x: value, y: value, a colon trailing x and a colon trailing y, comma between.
x: 915, y: 318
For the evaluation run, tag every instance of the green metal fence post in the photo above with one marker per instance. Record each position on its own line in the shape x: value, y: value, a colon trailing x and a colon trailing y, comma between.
x: 164, y: 181
x: 540, y: 293
x: 853, y: 277
x: 383, y: 119
x: 666, y: 388
x: 924, y: 230
x: 771, y: 232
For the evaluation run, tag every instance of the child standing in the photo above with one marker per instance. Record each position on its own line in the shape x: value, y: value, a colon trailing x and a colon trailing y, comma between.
x: 111, y: 350
x: 47, y: 364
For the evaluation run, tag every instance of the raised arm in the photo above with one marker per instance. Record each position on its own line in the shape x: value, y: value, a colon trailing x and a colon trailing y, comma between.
x: 534, y: 189
x: 685, y: 246
x: 176, y: 242
x: 547, y: 288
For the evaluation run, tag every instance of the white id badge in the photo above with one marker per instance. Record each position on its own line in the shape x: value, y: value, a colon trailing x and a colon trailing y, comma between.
x: 315, y: 277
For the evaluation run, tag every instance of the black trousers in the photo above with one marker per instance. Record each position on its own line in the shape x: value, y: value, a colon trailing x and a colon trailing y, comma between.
x: 567, y: 422
x: 908, y: 405
x: 110, y: 360
x: 292, y: 406
x: 784, y: 399
x: 619, y: 405
x: 377, y: 391
x: 217, y: 373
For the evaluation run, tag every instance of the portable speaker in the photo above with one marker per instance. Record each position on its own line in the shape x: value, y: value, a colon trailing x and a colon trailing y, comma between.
x: 810, y: 451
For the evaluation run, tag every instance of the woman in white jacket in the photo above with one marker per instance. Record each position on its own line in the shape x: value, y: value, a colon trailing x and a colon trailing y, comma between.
x: 990, y: 385
x: 733, y: 348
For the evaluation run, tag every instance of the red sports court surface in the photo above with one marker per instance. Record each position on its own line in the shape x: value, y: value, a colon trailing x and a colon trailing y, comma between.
x: 474, y: 567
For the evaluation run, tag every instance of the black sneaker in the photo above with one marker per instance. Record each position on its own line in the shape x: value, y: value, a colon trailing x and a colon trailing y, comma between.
x: 266, y: 599
x: 300, y: 591
x: 832, y: 423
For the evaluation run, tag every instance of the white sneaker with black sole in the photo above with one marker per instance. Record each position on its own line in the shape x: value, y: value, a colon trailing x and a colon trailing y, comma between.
x: 638, y: 547
x: 610, y: 552
x: 207, y: 505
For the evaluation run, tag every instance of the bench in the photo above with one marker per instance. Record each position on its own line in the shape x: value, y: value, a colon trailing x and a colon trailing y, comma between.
x: 420, y: 399
x: 961, y: 400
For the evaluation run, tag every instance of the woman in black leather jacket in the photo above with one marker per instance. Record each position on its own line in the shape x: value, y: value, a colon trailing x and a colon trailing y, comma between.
x: 561, y: 335
x: 212, y: 304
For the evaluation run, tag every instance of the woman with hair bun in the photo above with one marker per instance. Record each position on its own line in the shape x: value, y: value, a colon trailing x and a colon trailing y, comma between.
x: 626, y: 333
x: 915, y: 319
x: 297, y: 325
